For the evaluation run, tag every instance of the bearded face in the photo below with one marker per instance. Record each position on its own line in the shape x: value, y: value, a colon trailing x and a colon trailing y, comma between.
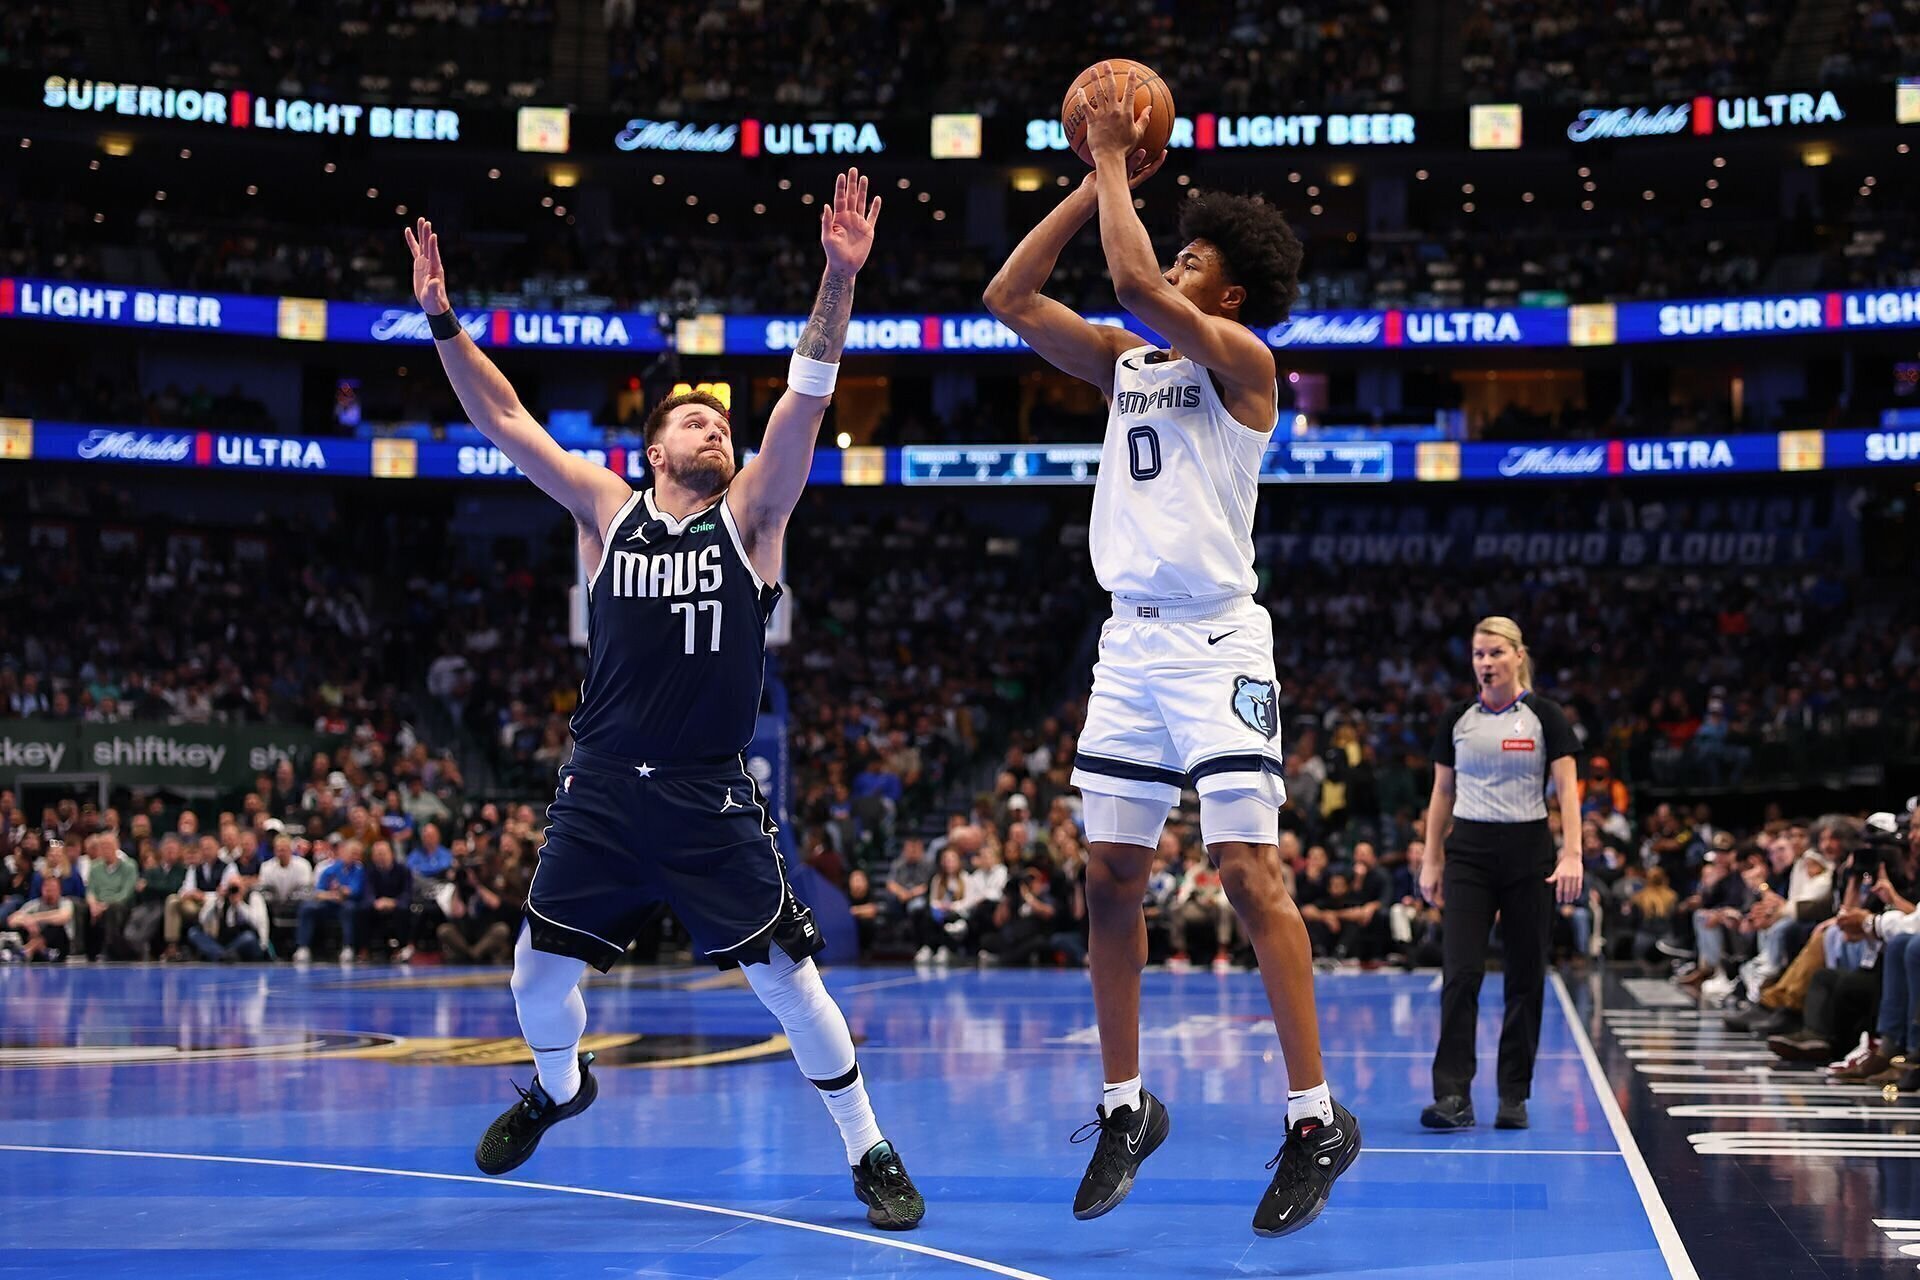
x: 694, y: 449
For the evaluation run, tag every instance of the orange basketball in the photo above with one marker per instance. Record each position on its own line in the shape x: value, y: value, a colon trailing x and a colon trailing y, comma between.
x: 1148, y: 87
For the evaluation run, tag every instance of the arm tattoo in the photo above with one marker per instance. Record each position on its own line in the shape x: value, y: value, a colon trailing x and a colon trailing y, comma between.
x: 826, y: 331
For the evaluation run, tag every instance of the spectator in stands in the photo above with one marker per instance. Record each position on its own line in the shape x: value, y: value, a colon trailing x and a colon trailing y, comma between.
x: 156, y: 884
x: 1413, y: 923
x: 1723, y: 760
x: 907, y: 880
x: 337, y: 891
x: 111, y: 890
x: 387, y: 901
x: 58, y: 866
x: 46, y: 922
x: 422, y: 806
x: 988, y: 878
x: 866, y: 911
x: 200, y: 882
x: 16, y: 877
x: 430, y: 859
x: 1711, y: 913
x: 1201, y: 910
x: 1366, y: 917
x: 943, y: 926
x: 1652, y: 903
x: 1070, y: 927
x: 286, y: 878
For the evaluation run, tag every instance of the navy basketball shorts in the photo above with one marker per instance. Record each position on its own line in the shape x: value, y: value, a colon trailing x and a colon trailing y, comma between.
x: 625, y: 836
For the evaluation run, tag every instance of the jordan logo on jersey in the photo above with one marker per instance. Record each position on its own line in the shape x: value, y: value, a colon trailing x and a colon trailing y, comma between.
x: 1257, y: 704
x: 671, y: 573
x: 1183, y: 395
x: 730, y: 802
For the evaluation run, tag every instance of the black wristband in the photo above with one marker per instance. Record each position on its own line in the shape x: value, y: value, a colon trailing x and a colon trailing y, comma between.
x: 443, y: 325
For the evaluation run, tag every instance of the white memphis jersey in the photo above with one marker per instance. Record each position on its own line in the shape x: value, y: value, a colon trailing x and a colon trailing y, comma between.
x: 1173, y: 506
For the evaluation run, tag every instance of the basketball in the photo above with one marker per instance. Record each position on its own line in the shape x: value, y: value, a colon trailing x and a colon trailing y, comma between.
x: 1148, y: 89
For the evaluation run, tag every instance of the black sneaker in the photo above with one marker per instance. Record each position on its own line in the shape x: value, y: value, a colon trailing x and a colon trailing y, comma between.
x: 1313, y: 1156
x: 881, y: 1181
x: 1512, y: 1114
x: 1778, y: 1022
x: 511, y: 1138
x: 1127, y: 1138
x: 1450, y: 1112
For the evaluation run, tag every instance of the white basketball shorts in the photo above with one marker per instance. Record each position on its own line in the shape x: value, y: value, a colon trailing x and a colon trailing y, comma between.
x: 1184, y: 695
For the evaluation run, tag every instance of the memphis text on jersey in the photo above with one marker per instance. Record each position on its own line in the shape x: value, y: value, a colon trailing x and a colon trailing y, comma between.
x: 671, y: 573
x: 1182, y: 395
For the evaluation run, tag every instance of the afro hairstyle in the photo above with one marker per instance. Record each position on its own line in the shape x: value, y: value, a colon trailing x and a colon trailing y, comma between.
x: 1259, y: 251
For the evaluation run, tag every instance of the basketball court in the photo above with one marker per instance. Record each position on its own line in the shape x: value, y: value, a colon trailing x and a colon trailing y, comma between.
x: 233, y: 1122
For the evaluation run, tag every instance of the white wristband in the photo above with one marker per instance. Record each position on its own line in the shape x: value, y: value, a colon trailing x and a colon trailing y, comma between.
x: 811, y: 377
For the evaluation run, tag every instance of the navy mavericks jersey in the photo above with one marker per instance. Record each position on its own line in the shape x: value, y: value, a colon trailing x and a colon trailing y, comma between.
x: 676, y: 638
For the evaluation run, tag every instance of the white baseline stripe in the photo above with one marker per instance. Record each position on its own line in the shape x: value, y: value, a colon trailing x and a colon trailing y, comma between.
x: 1679, y: 1265
x: 690, y: 1206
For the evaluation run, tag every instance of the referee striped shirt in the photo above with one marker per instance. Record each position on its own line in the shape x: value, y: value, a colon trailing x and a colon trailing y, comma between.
x: 1500, y: 757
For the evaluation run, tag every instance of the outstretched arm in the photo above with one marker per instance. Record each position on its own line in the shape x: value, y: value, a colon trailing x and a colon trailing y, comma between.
x: 592, y: 493
x: 1062, y: 337
x: 1225, y: 347
x: 764, y: 494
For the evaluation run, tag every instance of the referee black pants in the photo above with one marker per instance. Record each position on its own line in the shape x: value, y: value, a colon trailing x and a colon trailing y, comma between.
x: 1494, y: 868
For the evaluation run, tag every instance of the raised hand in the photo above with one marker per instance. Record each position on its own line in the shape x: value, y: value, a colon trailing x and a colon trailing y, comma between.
x: 429, y: 276
x: 846, y: 226
x: 1112, y: 128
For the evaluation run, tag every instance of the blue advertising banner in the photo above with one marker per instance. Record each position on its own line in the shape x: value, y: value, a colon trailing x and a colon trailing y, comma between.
x: 1581, y: 325
x: 1287, y: 461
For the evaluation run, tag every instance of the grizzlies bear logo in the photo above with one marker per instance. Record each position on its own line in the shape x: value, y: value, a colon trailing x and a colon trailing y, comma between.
x: 1257, y: 704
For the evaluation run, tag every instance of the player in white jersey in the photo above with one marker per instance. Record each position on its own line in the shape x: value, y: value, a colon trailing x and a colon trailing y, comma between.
x: 1184, y: 693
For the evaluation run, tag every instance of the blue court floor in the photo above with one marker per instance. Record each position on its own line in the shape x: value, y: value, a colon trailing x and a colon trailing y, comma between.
x: 228, y: 1122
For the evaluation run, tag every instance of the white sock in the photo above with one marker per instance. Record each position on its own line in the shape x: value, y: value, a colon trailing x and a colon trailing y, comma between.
x: 559, y: 1071
x: 546, y: 996
x: 1316, y: 1102
x: 854, y: 1114
x: 1125, y: 1094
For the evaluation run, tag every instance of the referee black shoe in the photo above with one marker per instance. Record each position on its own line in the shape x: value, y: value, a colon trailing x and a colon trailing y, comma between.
x: 1314, y: 1155
x: 1127, y: 1137
x: 1451, y: 1112
x: 881, y: 1181
x: 511, y: 1138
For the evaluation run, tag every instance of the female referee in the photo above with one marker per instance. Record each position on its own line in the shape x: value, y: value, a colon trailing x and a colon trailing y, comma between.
x: 1490, y: 765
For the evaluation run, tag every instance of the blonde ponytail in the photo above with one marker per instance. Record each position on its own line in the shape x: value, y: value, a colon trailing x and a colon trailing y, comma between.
x: 1501, y: 628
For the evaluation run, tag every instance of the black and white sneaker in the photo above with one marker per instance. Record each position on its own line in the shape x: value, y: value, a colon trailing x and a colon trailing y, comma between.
x: 881, y: 1181
x: 1313, y: 1156
x: 511, y: 1138
x: 1126, y: 1138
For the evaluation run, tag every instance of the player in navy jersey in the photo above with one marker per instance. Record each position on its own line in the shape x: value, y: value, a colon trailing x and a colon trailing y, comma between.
x: 655, y: 804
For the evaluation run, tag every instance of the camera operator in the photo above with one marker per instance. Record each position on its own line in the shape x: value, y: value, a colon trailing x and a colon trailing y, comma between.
x: 232, y: 923
x: 483, y: 911
x: 1023, y: 921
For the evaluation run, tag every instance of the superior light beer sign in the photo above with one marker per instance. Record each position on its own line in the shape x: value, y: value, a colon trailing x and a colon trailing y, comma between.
x: 240, y: 109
